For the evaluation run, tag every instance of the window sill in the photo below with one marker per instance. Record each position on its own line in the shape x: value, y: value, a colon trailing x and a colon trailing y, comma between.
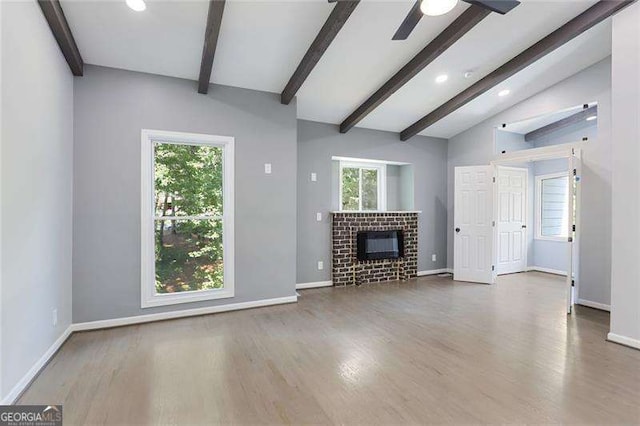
x: 556, y: 239
x: 185, y: 297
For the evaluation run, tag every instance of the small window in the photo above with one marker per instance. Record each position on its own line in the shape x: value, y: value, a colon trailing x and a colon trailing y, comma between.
x: 552, y: 207
x: 187, y: 218
x: 362, y: 186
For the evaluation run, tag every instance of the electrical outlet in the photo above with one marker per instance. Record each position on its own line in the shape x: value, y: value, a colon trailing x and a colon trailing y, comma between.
x: 314, y: 177
x: 319, y: 217
x: 433, y: 257
x: 320, y: 265
x: 267, y: 168
x: 55, y: 317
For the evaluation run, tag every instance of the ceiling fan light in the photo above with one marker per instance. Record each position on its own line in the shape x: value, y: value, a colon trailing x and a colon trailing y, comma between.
x: 437, y: 7
x: 137, y: 5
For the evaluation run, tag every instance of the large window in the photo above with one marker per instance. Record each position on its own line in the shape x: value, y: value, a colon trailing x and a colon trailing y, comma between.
x: 187, y: 217
x: 362, y: 186
x: 552, y: 207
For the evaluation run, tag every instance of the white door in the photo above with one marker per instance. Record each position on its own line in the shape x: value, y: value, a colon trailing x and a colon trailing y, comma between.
x: 511, y: 220
x: 473, y: 234
x: 573, y: 182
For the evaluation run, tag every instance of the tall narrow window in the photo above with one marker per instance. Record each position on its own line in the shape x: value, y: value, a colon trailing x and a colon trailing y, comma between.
x: 187, y: 205
x: 552, y: 207
x: 362, y: 186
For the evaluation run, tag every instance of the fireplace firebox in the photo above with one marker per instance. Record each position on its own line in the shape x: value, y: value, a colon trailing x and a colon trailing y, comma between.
x: 377, y: 245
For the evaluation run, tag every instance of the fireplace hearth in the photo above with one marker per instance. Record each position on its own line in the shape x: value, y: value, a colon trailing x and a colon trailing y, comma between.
x: 369, y: 247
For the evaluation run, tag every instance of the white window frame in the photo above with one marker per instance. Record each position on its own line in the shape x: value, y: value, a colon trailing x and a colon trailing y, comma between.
x: 538, y: 203
x: 149, y: 297
x: 381, y: 168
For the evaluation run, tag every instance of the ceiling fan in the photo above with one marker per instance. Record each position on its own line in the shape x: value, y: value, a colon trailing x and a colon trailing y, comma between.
x: 440, y: 7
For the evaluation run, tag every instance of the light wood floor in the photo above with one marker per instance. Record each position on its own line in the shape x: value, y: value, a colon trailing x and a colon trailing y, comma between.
x: 426, y: 351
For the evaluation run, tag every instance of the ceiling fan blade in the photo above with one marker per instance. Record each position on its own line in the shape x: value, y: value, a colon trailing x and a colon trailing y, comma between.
x: 409, y: 22
x: 498, y: 6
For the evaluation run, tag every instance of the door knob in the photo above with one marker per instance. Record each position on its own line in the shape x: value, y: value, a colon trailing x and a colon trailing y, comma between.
x: 524, y: 226
x: 457, y: 229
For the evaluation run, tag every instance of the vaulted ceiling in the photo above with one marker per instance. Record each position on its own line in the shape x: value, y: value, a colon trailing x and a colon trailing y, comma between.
x: 261, y: 43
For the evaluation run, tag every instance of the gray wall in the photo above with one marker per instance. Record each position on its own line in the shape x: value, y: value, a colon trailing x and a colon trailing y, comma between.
x: 318, y: 142
x: 573, y: 133
x: 625, y: 288
x: 36, y: 187
x: 111, y: 107
x: 510, y: 141
x: 475, y: 147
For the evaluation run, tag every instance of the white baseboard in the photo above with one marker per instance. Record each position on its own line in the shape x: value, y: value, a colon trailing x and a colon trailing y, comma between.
x: 435, y: 272
x: 595, y: 305
x: 314, y: 285
x: 26, y: 380
x: 138, y: 319
x: 22, y: 385
x: 623, y: 340
x: 547, y: 270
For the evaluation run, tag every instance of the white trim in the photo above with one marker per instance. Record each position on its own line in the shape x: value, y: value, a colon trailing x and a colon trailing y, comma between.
x: 139, y: 319
x: 623, y: 340
x: 26, y: 380
x: 537, y: 235
x: 366, y: 160
x: 148, y: 296
x: 537, y: 154
x: 546, y: 270
x: 315, y: 284
x: 595, y: 305
x: 435, y: 272
x: 381, y: 169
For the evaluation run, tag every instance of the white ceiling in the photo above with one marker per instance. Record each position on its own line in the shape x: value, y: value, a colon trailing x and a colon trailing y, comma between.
x: 261, y: 43
x: 529, y: 125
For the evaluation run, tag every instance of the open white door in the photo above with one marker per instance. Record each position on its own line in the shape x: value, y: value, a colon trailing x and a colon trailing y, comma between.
x: 573, y: 181
x: 472, y: 213
x: 511, y: 220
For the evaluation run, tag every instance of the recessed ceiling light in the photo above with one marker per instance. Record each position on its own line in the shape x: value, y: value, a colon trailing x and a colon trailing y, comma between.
x: 442, y: 78
x: 591, y: 118
x: 137, y: 5
x: 437, y: 7
x: 504, y: 92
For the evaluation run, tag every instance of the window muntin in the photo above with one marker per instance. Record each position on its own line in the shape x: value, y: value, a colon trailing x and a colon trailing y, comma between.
x: 552, y: 207
x: 187, y: 218
x: 362, y: 186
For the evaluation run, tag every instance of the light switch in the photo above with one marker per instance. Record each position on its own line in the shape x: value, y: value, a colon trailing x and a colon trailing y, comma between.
x: 319, y: 217
x: 314, y: 177
x: 320, y: 265
x: 267, y: 168
x: 433, y: 257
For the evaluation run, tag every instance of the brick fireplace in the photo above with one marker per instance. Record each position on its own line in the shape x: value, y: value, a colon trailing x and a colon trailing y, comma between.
x: 346, y: 267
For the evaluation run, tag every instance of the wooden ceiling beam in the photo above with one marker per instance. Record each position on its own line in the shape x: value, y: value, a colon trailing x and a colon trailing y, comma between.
x: 334, y: 23
x: 54, y: 15
x: 212, y: 31
x: 578, y: 25
x: 578, y: 117
x: 458, y: 28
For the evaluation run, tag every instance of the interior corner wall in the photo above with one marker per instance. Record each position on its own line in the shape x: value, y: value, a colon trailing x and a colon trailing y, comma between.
x: 111, y: 107
x: 475, y: 146
x: 36, y: 190
x: 319, y: 142
x: 625, y: 273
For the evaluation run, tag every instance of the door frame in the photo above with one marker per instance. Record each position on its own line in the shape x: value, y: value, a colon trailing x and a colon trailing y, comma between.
x: 567, y: 151
x: 496, y: 215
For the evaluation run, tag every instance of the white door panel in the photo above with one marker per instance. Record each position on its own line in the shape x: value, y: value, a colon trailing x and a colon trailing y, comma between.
x: 473, y: 226
x: 512, y: 220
